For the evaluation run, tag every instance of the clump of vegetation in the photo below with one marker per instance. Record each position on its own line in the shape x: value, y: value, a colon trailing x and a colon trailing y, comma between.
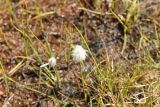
x: 116, y: 63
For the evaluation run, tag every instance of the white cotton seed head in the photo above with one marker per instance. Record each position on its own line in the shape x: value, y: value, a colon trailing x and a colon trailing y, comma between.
x: 79, y: 54
x: 52, y: 61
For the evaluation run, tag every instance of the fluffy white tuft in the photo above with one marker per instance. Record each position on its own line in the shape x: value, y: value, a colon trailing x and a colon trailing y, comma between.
x: 79, y: 54
x: 52, y: 61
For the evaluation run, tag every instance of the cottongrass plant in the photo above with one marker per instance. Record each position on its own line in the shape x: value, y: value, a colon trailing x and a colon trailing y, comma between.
x: 79, y: 55
x: 51, y: 63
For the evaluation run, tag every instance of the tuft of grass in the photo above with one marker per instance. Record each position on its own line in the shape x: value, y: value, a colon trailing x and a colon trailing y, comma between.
x: 29, y: 44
